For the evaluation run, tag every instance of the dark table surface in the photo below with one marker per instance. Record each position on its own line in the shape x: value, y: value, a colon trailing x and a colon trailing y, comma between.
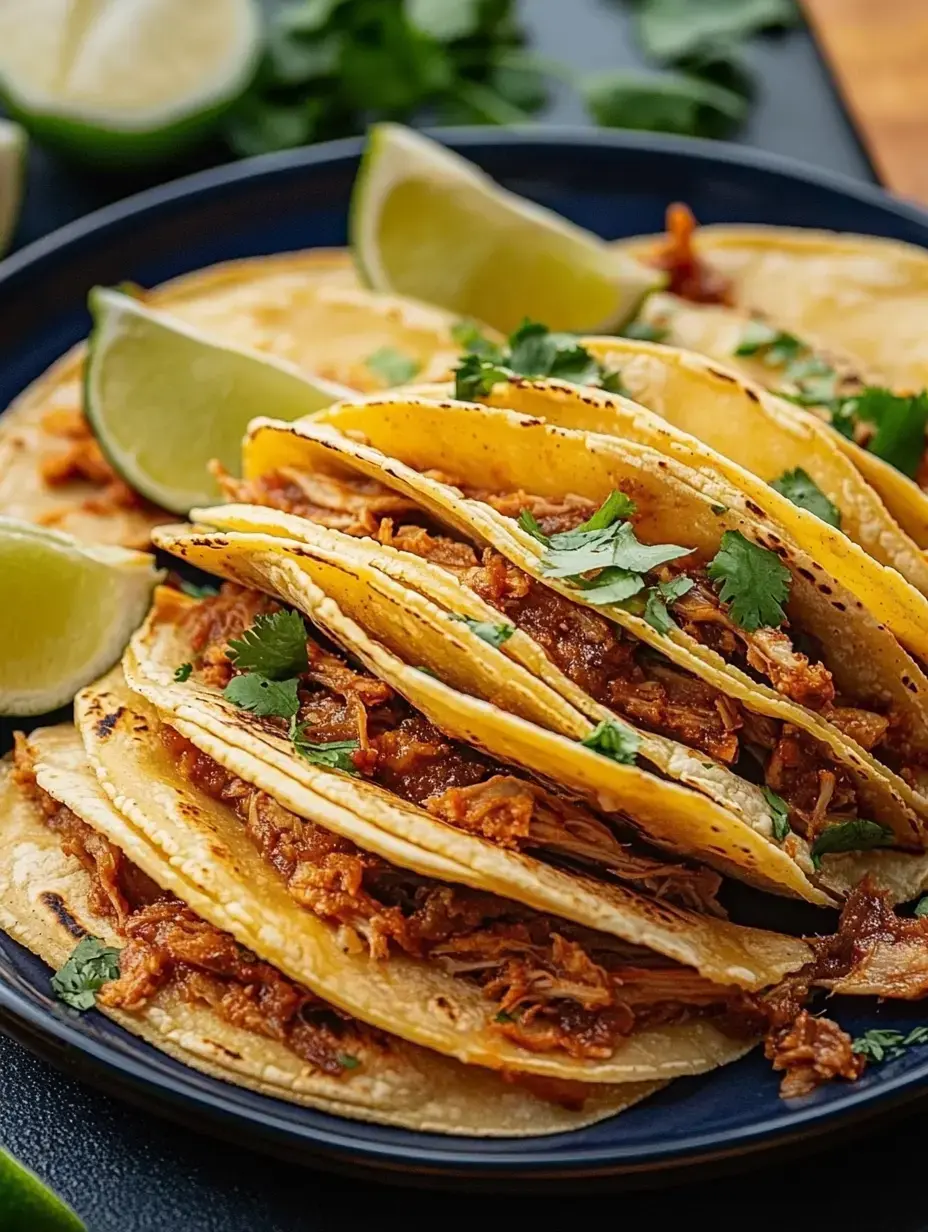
x: 124, y: 1171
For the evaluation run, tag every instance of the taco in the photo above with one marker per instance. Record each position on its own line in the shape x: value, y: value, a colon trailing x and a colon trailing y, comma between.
x: 302, y: 307
x: 192, y: 991
x: 803, y: 755
x: 404, y: 945
x: 728, y: 432
x: 831, y: 322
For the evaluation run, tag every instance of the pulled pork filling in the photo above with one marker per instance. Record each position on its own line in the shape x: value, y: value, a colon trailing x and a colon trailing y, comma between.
x: 168, y: 946
x: 399, y: 749
x: 618, y: 670
x: 689, y: 276
x: 82, y: 461
x: 556, y: 985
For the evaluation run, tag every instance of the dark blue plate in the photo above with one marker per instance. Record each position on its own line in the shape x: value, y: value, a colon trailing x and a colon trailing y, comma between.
x: 615, y: 184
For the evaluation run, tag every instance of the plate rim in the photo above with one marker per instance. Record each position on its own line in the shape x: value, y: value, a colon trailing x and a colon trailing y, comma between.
x: 444, y: 1157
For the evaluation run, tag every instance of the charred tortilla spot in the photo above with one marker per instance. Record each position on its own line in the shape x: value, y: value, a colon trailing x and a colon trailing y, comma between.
x: 104, y: 727
x: 723, y: 376
x: 825, y: 589
x: 807, y: 574
x: 910, y: 685
x: 444, y: 1006
x: 229, y: 1052
x: 60, y: 910
x: 754, y: 397
x: 839, y: 607
x: 754, y: 509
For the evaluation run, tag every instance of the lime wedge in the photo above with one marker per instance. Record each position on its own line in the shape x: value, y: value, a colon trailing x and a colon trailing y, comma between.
x: 429, y: 224
x: 26, y: 1205
x: 164, y: 400
x: 136, y: 79
x: 13, y: 145
x: 69, y: 609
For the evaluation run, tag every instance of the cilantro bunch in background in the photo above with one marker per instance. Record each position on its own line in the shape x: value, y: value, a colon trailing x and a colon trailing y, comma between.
x: 331, y: 67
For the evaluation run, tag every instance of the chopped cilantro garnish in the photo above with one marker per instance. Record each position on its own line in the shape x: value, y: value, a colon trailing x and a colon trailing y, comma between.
x: 775, y: 347
x: 196, y: 591
x: 755, y: 582
x: 182, y: 673
x: 347, y: 1061
x: 426, y: 671
x: 392, y: 366
x: 921, y: 907
x: 275, y: 646
x: 857, y: 835
x: 718, y: 509
x: 779, y: 814
x: 91, y: 965
x: 655, y: 607
x: 900, y: 425
x: 613, y: 740
x: 532, y: 350
x: 616, y: 505
x: 616, y: 546
x: 611, y: 586
x: 881, y: 1044
x: 642, y: 331
x: 532, y: 526
x: 495, y: 633
x: 335, y: 755
x: 800, y: 488
x: 263, y: 697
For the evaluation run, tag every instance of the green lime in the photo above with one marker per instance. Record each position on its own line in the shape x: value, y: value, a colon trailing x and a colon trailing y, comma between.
x: 13, y: 145
x: 134, y: 80
x: 164, y: 400
x: 70, y: 609
x: 26, y: 1205
x: 429, y: 224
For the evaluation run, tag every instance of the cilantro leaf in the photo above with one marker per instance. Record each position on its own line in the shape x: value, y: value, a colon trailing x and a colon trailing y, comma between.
x: 614, y: 546
x: 487, y: 630
x: 884, y: 1044
x: 779, y: 814
x: 336, y: 754
x: 195, y: 591
x: 347, y: 1061
x: 857, y: 835
x: 921, y: 907
x: 642, y: 331
x: 755, y: 582
x: 182, y: 673
x: 900, y: 426
x: 615, y: 741
x: 616, y: 505
x: 392, y: 366
x: 665, y: 102
x: 532, y: 350
x: 655, y: 608
x: 469, y: 337
x: 263, y: 697
x: 532, y: 526
x: 475, y: 377
x: 274, y: 646
x: 800, y: 488
x: 613, y: 586
x: 91, y: 965
x: 672, y: 29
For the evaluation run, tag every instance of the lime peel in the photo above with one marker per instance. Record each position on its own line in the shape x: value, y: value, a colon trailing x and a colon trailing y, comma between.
x: 72, y: 608
x: 165, y: 400
x: 427, y: 223
x: 13, y: 149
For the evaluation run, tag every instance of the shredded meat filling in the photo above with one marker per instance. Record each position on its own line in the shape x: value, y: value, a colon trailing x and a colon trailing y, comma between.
x: 553, y: 987
x: 167, y: 945
x: 690, y: 277
x: 82, y: 461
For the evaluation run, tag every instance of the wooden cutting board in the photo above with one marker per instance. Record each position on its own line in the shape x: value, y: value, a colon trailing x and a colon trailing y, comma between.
x: 878, y: 52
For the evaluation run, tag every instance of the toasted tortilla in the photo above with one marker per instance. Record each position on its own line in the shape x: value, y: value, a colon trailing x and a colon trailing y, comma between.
x: 204, y: 855
x: 45, y: 905
x: 859, y: 294
x: 490, y: 447
x: 724, y: 430
x: 303, y: 307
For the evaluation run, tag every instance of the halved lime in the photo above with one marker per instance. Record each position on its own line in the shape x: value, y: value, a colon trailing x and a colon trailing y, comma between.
x: 136, y: 79
x: 26, y: 1205
x: 164, y: 399
x: 68, y: 611
x: 13, y: 145
x: 427, y: 223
